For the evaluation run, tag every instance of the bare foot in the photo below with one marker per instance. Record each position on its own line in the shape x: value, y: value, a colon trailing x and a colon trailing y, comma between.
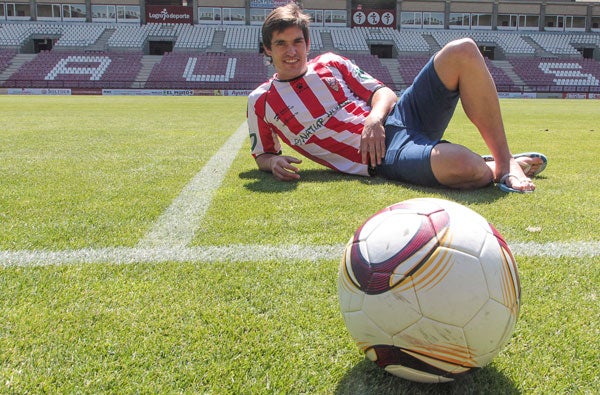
x: 517, y: 177
x: 518, y: 184
x: 531, y: 165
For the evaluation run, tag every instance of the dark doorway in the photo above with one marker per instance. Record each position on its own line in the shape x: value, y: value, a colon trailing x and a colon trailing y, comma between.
x: 160, y: 47
x: 587, y: 53
x: 488, y: 52
x: 42, y: 44
x: 382, y: 51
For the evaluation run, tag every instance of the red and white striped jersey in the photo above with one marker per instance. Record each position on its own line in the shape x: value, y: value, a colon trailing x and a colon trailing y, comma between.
x: 320, y: 114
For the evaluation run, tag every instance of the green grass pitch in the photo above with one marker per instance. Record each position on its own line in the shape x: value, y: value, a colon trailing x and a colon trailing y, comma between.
x: 98, y: 293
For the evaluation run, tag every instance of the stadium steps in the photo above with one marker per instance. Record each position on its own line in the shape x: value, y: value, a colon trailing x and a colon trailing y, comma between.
x: 218, y: 42
x: 148, y: 63
x: 539, y: 51
x: 432, y: 42
x: 17, y: 61
x: 102, y: 43
x: 505, y: 66
x: 392, y: 66
x: 327, y: 41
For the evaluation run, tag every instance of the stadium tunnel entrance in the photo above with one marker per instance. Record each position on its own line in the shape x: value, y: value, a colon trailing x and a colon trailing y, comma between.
x: 160, y: 47
x: 42, y: 44
x: 589, y: 52
x: 383, y: 51
x: 488, y: 51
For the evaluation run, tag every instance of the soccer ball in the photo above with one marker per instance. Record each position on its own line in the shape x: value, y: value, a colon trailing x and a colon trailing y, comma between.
x: 429, y: 290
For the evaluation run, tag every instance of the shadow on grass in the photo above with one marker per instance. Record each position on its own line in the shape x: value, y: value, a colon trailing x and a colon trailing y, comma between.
x: 260, y: 181
x: 366, y: 378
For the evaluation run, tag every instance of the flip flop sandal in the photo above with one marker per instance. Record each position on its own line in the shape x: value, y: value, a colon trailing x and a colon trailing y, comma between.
x: 505, y: 188
x: 534, y: 155
x: 490, y: 158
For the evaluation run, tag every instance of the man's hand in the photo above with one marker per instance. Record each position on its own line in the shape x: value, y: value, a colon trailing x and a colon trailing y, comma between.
x: 280, y: 166
x: 372, y: 142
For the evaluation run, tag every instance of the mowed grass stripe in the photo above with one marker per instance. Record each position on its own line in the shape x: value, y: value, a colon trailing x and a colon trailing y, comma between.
x: 248, y: 253
x: 177, y: 225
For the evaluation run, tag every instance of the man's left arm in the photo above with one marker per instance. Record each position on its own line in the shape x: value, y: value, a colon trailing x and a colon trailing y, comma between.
x: 372, y: 143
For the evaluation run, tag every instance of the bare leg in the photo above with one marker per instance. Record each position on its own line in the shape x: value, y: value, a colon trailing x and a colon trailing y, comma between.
x: 460, y: 66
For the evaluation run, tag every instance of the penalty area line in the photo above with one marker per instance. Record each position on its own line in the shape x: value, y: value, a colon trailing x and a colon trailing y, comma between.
x: 246, y: 253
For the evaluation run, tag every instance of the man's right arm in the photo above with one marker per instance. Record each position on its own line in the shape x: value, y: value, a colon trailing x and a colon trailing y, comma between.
x: 280, y: 166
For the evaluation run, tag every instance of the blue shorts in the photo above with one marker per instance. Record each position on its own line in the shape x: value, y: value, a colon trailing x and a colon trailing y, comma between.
x: 415, y: 125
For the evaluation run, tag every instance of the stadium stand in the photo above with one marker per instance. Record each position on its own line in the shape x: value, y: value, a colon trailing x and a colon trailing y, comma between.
x: 348, y: 40
x: 410, y: 65
x: 6, y: 56
x: 503, y: 82
x: 558, y: 74
x: 208, y: 71
x: 53, y: 69
x: 68, y: 35
x: 127, y: 36
x: 564, y: 43
x: 372, y: 65
x: 405, y: 41
x: 12, y: 34
x: 316, y: 40
x: 194, y: 37
x: 226, y: 57
x: 510, y: 42
x: 80, y: 35
x: 242, y: 37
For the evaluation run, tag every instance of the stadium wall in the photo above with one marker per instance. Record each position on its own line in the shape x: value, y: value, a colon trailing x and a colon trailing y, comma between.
x: 58, y: 42
x: 249, y: 12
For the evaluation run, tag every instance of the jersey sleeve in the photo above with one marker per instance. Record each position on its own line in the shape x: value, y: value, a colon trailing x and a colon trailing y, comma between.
x: 359, y: 81
x: 263, y: 139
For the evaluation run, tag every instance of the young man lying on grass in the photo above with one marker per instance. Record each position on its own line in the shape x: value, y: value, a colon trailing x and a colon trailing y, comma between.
x: 334, y: 113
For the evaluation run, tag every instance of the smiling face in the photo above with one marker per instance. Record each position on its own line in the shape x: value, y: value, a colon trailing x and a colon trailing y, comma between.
x: 289, y: 51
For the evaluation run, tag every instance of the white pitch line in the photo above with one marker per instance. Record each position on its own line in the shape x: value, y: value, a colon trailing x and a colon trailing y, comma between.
x: 247, y: 253
x: 178, y: 224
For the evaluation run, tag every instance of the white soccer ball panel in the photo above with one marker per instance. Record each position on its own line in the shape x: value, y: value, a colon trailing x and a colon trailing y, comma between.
x: 465, y: 215
x: 364, y: 331
x: 388, y: 233
x: 433, y: 338
x: 393, y: 311
x: 451, y: 288
x: 486, y: 332
x: 415, y: 375
x: 500, y: 272
x: 464, y: 235
x: 349, y: 296
x: 485, y: 359
x: 467, y: 229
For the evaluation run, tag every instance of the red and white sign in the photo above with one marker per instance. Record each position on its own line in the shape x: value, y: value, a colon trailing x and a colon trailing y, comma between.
x: 169, y: 14
x: 373, y: 18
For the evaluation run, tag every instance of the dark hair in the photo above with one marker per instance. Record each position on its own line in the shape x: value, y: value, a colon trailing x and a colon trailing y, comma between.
x: 283, y: 17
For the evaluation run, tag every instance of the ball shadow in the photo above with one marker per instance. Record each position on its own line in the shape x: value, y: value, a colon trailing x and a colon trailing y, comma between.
x: 366, y: 378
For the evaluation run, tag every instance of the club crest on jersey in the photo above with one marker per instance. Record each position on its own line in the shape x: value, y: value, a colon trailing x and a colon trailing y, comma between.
x: 360, y: 74
x: 333, y: 83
